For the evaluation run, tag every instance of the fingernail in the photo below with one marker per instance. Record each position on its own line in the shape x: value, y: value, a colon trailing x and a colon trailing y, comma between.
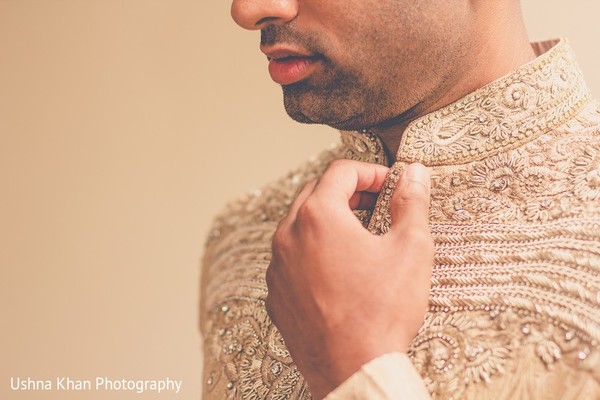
x: 418, y: 173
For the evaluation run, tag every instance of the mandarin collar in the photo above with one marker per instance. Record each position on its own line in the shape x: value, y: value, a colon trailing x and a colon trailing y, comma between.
x: 534, y: 99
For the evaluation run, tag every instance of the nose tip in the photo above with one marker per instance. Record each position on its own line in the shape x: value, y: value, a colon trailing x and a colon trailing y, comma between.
x: 258, y: 14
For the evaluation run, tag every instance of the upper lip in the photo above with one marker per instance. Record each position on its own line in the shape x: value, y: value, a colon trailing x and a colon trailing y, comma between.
x: 279, y: 52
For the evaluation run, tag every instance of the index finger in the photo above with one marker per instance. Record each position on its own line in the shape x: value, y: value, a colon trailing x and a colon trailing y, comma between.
x: 344, y: 178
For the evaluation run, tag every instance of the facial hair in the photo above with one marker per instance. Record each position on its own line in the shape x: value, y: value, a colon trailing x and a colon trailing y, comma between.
x: 336, y: 96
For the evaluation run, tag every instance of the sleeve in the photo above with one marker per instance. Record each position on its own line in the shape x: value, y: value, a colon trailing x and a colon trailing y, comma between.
x: 389, y: 377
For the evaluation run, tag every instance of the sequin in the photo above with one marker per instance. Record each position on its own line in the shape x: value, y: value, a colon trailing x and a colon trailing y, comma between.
x: 514, y: 215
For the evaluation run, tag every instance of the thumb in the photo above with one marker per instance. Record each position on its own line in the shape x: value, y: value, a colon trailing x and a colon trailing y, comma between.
x: 410, y: 200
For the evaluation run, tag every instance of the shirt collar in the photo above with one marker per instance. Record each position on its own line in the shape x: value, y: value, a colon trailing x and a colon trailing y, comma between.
x: 534, y: 99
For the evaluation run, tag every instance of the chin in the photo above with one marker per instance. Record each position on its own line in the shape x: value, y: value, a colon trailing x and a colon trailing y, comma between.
x: 346, y: 123
x: 351, y: 124
x: 339, y: 112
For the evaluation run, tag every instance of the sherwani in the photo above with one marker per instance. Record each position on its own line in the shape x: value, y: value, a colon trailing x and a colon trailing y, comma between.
x: 514, y: 307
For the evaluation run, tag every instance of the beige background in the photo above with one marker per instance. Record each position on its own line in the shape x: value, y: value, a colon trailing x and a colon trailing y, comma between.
x: 124, y: 125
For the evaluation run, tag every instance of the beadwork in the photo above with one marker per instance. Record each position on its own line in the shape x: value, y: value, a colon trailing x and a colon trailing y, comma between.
x: 515, y: 300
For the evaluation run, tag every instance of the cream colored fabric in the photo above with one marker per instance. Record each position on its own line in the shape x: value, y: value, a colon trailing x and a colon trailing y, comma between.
x: 389, y: 377
x: 515, y: 214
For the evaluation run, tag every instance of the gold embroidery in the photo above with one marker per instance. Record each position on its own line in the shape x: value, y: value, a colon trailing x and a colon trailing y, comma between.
x: 515, y: 215
x: 534, y: 99
x: 363, y: 146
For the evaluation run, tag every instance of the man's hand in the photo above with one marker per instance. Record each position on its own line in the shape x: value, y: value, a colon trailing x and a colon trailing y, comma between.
x: 339, y: 295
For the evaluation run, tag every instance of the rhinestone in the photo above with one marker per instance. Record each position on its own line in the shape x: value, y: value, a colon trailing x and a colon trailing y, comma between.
x: 569, y: 335
x: 526, y: 330
x: 516, y: 95
x: 229, y: 385
x: 276, y: 369
x: 497, y: 186
x: 222, y: 332
x: 225, y: 308
x: 210, y: 381
x: 575, y: 318
x: 582, y: 355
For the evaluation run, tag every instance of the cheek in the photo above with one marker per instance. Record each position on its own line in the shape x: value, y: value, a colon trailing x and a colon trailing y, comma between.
x: 341, y: 24
x: 356, y: 47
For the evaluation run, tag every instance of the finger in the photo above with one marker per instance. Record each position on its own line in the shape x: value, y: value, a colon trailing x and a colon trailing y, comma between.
x: 306, y: 191
x: 410, y: 200
x: 363, y: 201
x: 271, y: 289
x: 344, y: 178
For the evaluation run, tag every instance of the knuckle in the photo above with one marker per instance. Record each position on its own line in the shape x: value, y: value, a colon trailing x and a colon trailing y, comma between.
x: 340, y: 167
x: 282, y: 226
x: 279, y: 240
x: 309, y: 211
x: 339, y: 164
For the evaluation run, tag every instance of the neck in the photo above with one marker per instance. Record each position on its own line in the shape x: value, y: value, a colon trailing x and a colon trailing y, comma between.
x: 500, y: 47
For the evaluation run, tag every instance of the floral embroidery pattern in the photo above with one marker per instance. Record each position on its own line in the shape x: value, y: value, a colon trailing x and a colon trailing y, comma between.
x: 586, y: 175
x: 516, y: 221
x: 507, y: 113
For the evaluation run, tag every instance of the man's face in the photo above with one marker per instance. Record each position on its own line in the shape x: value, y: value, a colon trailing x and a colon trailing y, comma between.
x: 356, y: 64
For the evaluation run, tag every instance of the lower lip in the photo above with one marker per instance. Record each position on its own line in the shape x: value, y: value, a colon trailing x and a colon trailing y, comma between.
x: 292, y: 70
